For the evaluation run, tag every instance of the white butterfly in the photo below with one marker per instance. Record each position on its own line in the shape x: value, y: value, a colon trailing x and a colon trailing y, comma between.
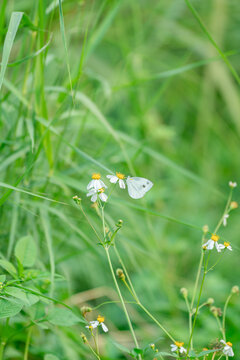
x: 138, y: 186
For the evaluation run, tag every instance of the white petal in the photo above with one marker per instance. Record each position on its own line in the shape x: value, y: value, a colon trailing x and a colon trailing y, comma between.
x: 90, y: 185
x: 94, y: 198
x: 182, y: 350
x: 173, y: 347
x: 97, y: 184
x: 94, y: 324
x: 229, y: 247
x: 210, y: 244
x: 104, y: 327
x: 219, y: 247
x: 222, y: 341
x: 102, y: 184
x: 91, y: 192
x: 122, y: 184
x: 112, y: 178
x: 103, y: 197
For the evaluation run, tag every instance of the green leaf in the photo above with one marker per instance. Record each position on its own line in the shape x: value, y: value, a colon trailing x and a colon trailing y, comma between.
x: 6, y: 265
x: 26, y: 251
x: 62, y: 317
x: 50, y: 357
x: 9, y: 307
x: 2, y: 278
x: 203, y: 353
x: 121, y: 347
x: 160, y: 354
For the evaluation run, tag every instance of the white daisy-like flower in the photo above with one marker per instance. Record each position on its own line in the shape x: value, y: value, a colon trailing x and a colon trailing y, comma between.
x: 96, y: 323
x: 227, y: 350
x: 232, y: 184
x: 95, y: 193
x: 209, y: 245
x: 178, y: 346
x: 96, y: 182
x: 225, y: 245
x: 117, y: 178
x: 225, y: 217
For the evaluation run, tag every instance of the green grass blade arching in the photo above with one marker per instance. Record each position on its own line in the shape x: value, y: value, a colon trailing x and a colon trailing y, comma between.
x: 8, y: 42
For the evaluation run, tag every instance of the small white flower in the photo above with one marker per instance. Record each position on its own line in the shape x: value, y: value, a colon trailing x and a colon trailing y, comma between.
x: 225, y: 217
x: 209, y: 245
x: 227, y: 350
x: 96, y: 182
x: 232, y: 184
x: 117, y: 178
x: 96, y: 323
x: 95, y: 193
x: 178, y: 346
x: 225, y: 245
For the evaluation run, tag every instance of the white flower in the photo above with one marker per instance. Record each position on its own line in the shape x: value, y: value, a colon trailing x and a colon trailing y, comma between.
x: 178, y: 346
x: 96, y: 323
x: 95, y: 193
x: 209, y: 245
x: 232, y: 184
x: 225, y: 245
x: 225, y: 217
x: 117, y: 178
x: 96, y: 182
x: 227, y: 350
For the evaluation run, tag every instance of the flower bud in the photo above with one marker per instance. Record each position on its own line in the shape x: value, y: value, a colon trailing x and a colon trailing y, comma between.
x: 235, y: 289
x: 184, y: 292
x: 216, y: 311
x: 205, y: 229
x: 119, y: 223
x: 232, y: 184
x: 77, y: 199
x: 85, y: 309
x: 210, y: 301
x: 84, y: 338
x: 152, y: 346
x: 233, y: 205
x: 120, y: 274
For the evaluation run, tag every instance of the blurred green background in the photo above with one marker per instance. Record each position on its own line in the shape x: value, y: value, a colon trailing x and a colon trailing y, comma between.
x: 150, y: 97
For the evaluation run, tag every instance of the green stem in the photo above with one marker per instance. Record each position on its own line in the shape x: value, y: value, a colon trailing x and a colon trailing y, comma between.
x: 224, y: 316
x: 133, y: 293
x: 121, y: 298
x: 2, y: 346
x: 27, y: 344
x: 210, y: 38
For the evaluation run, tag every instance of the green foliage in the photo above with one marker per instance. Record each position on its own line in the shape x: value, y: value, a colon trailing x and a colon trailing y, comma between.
x: 26, y: 251
x: 148, y: 88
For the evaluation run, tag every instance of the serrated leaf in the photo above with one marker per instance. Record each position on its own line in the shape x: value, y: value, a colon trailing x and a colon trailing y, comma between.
x: 6, y: 265
x: 50, y: 357
x: 26, y: 251
x: 62, y: 317
x: 9, y: 307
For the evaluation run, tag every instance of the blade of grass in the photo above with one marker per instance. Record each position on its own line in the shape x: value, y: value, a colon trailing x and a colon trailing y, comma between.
x: 48, y: 237
x: 210, y: 38
x: 62, y: 29
x: 8, y: 42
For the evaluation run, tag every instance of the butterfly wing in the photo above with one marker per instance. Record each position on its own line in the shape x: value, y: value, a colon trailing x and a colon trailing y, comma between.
x: 137, y: 186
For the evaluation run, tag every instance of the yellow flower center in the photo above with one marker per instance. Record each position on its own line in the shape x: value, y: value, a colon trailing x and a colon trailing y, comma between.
x: 179, y: 344
x: 101, y: 190
x: 229, y: 343
x: 100, y: 318
x: 96, y: 176
x: 120, y: 176
x: 226, y: 244
x: 90, y: 327
x: 215, y: 237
